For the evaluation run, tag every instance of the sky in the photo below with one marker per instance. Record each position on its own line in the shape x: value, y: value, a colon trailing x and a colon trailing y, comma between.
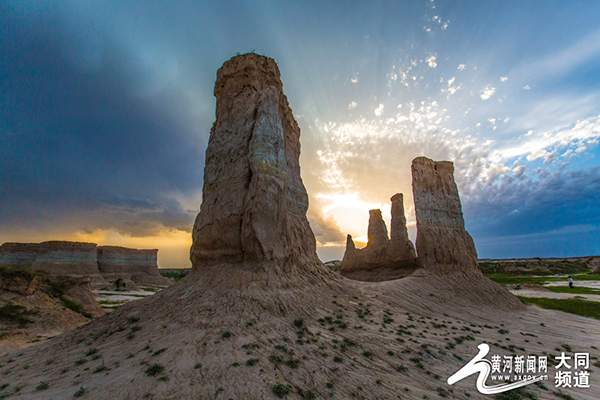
x: 106, y: 109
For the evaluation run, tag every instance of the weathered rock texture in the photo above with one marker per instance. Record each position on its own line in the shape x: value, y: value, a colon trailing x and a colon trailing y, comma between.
x: 140, y: 266
x: 383, y: 258
x: 54, y: 258
x: 103, y: 264
x: 377, y: 234
x: 254, y: 204
x: 400, y: 247
x: 443, y: 244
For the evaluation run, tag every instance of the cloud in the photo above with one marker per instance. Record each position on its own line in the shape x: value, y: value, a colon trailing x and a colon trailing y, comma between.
x: 326, y: 230
x: 352, y: 105
x: 379, y: 110
x: 85, y: 148
x: 487, y: 92
x: 142, y: 217
x: 515, y: 203
x: 431, y: 61
x: 461, y: 67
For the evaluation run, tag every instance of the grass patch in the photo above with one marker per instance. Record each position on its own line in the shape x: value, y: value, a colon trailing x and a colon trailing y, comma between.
x: 575, y: 290
x: 512, y: 279
x: 573, y: 306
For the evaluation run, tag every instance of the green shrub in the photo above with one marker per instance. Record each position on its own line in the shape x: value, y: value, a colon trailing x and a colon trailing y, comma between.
x: 574, y: 306
x: 281, y: 390
x: 14, y: 313
x: 154, y: 369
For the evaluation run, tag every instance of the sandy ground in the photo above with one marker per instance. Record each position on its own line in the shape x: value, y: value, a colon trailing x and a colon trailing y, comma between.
x: 430, y: 327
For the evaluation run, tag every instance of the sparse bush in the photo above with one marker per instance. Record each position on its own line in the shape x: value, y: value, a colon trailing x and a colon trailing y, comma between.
x: 80, y: 392
x: 91, y: 351
x: 14, y: 313
x: 100, y: 368
x: 251, y: 362
x: 43, y: 385
x: 226, y: 334
x: 157, y: 352
x: 281, y: 390
x: 517, y: 394
x: 401, y: 368
x: 154, y: 369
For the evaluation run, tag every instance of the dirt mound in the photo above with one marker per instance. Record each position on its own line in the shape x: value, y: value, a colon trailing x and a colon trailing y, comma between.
x: 34, y: 307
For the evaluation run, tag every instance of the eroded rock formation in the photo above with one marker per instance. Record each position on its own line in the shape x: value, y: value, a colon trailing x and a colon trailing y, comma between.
x: 140, y: 266
x: 383, y: 258
x: 103, y: 264
x: 54, y: 258
x: 377, y: 234
x: 443, y: 244
x: 254, y: 205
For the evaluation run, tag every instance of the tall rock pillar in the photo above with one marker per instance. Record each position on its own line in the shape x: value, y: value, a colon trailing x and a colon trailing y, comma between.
x: 254, y: 204
x: 400, y: 247
x: 377, y: 232
x: 443, y: 244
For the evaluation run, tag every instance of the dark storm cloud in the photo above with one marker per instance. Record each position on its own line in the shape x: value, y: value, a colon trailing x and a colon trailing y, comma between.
x: 529, y: 214
x: 75, y: 131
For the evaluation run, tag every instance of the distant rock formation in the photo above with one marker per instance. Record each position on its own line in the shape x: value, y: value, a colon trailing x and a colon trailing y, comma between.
x: 103, y: 264
x: 140, y: 266
x: 54, y: 258
x: 254, y: 204
x: 383, y: 258
x: 400, y: 247
x: 377, y: 233
x: 443, y: 244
